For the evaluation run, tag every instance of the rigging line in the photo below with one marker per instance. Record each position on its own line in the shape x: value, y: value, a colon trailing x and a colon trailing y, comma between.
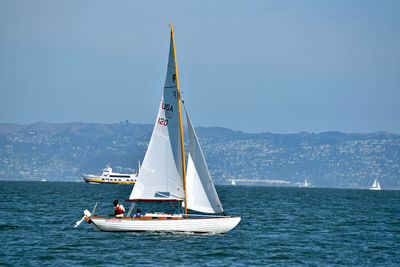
x: 147, y: 75
x: 173, y: 206
x: 95, y: 206
x: 131, y: 209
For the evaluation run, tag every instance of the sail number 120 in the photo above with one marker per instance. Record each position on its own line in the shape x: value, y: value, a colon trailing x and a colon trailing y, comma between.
x: 162, y: 121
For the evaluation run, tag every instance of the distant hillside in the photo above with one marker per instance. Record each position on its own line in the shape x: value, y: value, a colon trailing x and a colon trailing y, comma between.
x: 63, y: 151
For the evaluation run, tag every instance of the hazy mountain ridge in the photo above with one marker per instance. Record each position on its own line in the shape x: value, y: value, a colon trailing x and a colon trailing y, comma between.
x: 334, y: 159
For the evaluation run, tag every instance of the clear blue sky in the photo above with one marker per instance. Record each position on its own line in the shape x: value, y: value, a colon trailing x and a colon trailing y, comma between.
x: 254, y: 66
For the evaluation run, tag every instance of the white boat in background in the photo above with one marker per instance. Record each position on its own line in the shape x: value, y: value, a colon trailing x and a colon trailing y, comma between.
x: 44, y: 180
x: 233, y: 182
x: 110, y: 177
x: 376, y: 185
x: 305, y: 184
x: 163, y: 176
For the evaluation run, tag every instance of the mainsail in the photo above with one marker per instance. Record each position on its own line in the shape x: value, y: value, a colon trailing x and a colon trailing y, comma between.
x: 200, y: 190
x: 161, y: 176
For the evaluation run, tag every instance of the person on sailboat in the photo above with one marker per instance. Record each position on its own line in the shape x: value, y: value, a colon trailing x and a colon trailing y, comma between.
x: 119, y: 210
x: 138, y: 213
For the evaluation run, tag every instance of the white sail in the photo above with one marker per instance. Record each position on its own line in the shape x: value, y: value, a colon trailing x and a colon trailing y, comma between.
x: 200, y: 190
x: 160, y: 176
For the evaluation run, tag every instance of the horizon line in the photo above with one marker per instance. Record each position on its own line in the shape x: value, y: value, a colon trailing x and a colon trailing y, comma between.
x: 221, y: 127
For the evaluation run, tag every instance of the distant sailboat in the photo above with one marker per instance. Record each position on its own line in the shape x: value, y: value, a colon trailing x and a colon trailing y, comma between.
x: 163, y: 176
x: 376, y: 185
x: 233, y: 182
x: 305, y: 184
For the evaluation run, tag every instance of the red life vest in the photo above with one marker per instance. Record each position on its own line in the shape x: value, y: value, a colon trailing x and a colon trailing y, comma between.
x: 118, y: 210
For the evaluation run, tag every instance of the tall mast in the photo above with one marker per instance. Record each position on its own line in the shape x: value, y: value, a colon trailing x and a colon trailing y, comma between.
x: 180, y: 119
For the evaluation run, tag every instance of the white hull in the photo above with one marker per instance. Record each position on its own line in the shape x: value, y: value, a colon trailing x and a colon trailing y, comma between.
x: 214, y: 225
x: 97, y: 179
x: 375, y: 188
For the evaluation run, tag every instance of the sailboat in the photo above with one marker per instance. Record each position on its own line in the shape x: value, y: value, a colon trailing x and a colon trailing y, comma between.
x: 376, y: 185
x: 163, y: 176
x: 305, y: 184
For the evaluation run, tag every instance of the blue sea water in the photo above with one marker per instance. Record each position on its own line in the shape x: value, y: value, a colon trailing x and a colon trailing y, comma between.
x: 280, y: 226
